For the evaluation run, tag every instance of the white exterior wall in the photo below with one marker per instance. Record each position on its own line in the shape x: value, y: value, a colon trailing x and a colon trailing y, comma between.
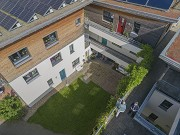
x: 165, y: 118
x: 33, y: 91
x: 115, y: 40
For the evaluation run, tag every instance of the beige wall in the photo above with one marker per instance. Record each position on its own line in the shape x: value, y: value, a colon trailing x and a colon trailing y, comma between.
x: 165, y: 118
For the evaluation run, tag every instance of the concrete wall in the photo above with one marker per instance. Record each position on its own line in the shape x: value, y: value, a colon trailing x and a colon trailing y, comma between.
x: 165, y: 118
x: 34, y: 90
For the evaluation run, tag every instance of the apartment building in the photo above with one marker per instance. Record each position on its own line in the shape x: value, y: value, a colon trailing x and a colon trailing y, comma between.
x: 116, y: 29
x: 44, y: 42
x: 40, y: 53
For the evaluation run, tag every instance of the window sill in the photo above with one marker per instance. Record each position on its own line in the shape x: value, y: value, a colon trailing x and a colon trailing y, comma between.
x: 33, y: 79
x: 72, y: 52
x: 56, y: 62
x: 23, y: 62
x: 51, y: 45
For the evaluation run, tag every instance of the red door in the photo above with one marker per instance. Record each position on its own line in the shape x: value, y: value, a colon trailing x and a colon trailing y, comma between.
x: 121, y: 25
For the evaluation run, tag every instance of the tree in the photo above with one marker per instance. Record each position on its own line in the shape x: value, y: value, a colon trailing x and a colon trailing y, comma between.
x: 10, y: 108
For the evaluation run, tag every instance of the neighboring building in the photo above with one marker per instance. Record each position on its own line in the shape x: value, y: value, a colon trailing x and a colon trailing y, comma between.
x: 171, y: 54
x: 160, y: 111
x: 44, y: 42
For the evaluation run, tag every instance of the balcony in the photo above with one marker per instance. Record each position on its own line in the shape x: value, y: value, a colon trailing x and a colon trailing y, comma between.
x: 120, y: 38
x: 119, y: 58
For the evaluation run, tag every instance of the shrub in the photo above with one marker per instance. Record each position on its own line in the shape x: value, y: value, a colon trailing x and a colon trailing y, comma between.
x: 10, y: 108
x: 147, y: 54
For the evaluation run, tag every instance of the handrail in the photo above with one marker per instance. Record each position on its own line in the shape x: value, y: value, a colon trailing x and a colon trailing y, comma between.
x: 107, y: 31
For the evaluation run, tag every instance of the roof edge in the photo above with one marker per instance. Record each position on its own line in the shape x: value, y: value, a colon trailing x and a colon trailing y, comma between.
x: 136, y: 12
x: 44, y: 24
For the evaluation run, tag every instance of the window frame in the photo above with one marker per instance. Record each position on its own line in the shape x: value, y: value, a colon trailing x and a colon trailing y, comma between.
x: 112, y: 17
x: 34, y: 77
x: 150, y: 117
x: 71, y: 51
x: 76, y: 63
x: 77, y: 23
x: 51, y: 83
x: 49, y: 45
x: 57, y: 61
x: 165, y: 107
x: 22, y: 59
x: 136, y: 24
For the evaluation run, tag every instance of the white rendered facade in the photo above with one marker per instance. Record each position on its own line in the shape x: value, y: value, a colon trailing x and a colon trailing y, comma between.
x: 38, y: 87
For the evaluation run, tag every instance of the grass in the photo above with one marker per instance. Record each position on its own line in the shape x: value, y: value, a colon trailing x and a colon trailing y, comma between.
x: 74, y: 110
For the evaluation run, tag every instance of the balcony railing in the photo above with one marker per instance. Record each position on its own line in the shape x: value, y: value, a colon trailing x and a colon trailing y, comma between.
x: 110, y: 51
x: 114, y: 34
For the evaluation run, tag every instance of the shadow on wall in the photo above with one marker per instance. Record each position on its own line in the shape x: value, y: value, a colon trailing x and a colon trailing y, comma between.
x: 151, y: 37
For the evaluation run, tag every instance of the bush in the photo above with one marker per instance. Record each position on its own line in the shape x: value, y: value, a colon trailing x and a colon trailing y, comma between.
x: 147, y: 54
x: 11, y: 108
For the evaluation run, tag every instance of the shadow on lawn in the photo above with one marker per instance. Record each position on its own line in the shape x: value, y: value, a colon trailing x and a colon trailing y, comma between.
x: 73, y: 110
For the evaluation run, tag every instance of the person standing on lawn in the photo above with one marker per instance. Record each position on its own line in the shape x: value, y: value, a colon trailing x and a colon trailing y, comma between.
x: 134, y: 108
x: 120, y: 106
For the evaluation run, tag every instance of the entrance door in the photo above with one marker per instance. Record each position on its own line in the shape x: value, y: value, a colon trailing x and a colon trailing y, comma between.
x: 121, y: 25
x: 62, y: 74
x: 87, y: 55
x: 104, y: 41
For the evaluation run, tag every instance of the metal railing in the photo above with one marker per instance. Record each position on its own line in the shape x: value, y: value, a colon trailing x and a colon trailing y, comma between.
x: 112, y: 33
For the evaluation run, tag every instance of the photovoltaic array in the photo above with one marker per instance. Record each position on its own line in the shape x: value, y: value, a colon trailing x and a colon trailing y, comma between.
x: 157, y: 4
x: 26, y: 10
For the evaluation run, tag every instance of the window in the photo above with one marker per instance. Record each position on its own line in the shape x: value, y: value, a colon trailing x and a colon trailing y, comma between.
x: 71, y: 48
x: 75, y: 62
x: 56, y: 59
x: 108, y: 16
x: 50, y: 40
x: 20, y: 57
x: 136, y: 27
x: 50, y: 82
x: 78, y: 21
x: 152, y: 117
x: 31, y: 76
x: 165, y: 105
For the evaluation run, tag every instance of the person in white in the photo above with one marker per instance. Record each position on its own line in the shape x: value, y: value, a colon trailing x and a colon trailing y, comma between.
x: 120, y: 106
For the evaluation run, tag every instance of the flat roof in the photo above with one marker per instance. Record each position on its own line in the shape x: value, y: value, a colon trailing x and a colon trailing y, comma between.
x: 171, y: 15
x: 9, y: 37
x: 171, y: 53
x: 174, y: 50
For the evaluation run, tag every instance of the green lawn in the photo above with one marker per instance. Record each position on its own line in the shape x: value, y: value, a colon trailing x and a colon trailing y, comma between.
x: 73, y: 110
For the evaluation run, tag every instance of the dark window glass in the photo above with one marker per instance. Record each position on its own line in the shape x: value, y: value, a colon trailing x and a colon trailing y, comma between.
x: 31, y: 76
x: 108, y: 16
x: 75, y: 62
x: 152, y: 117
x: 78, y: 21
x: 165, y: 105
x: 50, y: 39
x: 19, y: 56
x: 71, y: 48
x: 50, y: 82
x: 136, y: 27
x: 56, y: 59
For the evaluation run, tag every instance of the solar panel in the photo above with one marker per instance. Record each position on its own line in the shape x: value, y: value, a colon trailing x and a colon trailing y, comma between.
x: 32, y: 5
x: 42, y: 9
x: 157, y: 4
x: 68, y: 1
x: 17, y: 10
x: 46, y: 1
x: 8, y: 22
x: 9, y: 6
x: 2, y: 16
x: 26, y: 15
x: 56, y: 4
x: 23, y: 3
x: 163, y: 4
x: 2, y: 3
